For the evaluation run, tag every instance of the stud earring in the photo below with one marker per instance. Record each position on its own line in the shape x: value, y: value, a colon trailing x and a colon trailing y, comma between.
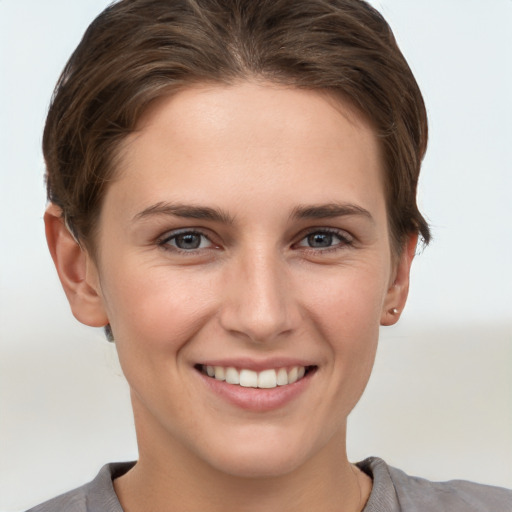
x: 394, y: 311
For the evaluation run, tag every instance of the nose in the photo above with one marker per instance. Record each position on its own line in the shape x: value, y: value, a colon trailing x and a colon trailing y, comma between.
x: 259, y: 302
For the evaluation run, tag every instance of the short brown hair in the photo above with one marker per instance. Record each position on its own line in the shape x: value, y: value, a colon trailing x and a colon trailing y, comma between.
x: 138, y: 50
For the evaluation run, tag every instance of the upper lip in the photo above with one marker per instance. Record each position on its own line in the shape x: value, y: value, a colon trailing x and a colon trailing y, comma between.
x: 257, y: 365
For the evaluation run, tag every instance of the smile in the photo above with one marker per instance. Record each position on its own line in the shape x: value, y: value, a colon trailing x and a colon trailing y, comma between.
x: 265, y: 379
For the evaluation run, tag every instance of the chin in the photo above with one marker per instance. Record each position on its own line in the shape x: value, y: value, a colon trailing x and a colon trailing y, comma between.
x: 261, y: 456
x: 246, y: 464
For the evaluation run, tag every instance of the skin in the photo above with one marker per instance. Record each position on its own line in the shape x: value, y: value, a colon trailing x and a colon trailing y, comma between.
x: 257, y: 288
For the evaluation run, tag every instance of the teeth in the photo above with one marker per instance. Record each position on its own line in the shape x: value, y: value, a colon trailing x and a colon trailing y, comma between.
x: 265, y: 379
x: 220, y: 374
x: 248, y: 379
x: 232, y: 376
x: 282, y: 377
x: 293, y: 375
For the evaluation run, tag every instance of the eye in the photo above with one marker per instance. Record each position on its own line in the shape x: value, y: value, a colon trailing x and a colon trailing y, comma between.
x: 186, y: 241
x: 325, y: 239
x: 320, y: 240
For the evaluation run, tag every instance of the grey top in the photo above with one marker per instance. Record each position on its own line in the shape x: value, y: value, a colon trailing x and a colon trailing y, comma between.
x: 393, y: 491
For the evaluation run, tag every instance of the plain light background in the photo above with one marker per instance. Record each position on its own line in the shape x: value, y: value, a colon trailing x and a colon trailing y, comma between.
x: 439, y: 403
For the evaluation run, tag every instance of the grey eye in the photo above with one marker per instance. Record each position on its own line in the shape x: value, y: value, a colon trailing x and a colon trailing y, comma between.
x: 325, y: 239
x: 320, y: 240
x: 188, y: 241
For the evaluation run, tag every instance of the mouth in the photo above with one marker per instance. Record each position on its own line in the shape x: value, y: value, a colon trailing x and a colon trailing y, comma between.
x: 265, y: 379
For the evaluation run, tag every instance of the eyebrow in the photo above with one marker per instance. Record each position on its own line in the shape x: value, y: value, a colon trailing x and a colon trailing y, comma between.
x: 301, y: 212
x: 186, y: 212
x: 329, y: 210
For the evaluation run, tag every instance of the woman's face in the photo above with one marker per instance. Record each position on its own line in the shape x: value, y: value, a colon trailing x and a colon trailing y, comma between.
x: 247, y: 233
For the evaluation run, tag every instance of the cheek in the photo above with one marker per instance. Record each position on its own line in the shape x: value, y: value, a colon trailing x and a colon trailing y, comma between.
x: 346, y: 312
x: 157, y: 307
x: 346, y: 300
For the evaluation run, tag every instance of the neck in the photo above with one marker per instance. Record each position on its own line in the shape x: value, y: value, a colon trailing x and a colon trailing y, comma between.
x: 169, y: 476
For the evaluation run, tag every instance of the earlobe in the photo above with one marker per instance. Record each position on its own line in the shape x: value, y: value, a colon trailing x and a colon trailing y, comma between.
x: 396, y: 296
x: 76, y: 270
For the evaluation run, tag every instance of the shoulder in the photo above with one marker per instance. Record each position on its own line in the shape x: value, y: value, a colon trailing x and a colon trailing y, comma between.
x: 453, y: 495
x: 413, y: 494
x: 95, y: 496
x: 72, y: 501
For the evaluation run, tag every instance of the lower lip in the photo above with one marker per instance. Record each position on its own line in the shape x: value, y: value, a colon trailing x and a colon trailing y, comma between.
x: 257, y: 399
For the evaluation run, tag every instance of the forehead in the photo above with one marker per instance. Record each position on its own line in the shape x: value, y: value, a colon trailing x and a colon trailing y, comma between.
x: 284, y: 143
x: 321, y: 116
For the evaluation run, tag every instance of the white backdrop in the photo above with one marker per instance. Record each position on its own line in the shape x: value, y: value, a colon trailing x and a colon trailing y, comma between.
x: 440, y: 401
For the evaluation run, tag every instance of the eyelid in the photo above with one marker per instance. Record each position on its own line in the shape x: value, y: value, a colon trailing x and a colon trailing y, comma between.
x: 163, y: 240
x: 346, y: 238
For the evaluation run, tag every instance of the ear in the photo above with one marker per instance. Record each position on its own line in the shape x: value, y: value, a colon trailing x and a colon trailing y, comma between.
x: 76, y: 269
x: 396, y: 296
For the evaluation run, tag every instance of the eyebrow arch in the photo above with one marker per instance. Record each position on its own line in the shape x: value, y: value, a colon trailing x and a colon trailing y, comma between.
x: 185, y: 211
x: 329, y: 210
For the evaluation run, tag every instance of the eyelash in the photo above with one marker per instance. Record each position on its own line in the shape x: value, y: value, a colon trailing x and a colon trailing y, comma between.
x: 345, y: 240
x: 164, y: 242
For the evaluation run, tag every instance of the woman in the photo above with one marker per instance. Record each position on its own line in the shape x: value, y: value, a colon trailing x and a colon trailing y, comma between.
x: 232, y: 196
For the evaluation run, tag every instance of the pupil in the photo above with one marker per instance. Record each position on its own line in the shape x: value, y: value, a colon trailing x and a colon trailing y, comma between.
x: 320, y: 240
x: 188, y: 241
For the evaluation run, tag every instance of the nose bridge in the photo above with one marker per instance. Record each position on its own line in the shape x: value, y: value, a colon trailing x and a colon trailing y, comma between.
x: 259, y: 303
